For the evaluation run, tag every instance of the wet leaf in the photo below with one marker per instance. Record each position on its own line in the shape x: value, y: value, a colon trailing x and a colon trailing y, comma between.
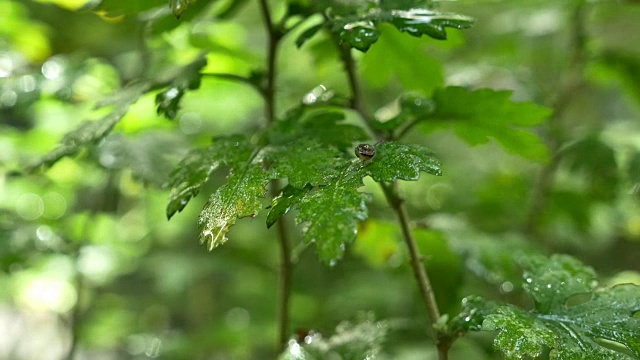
x: 329, y: 214
x: 480, y: 115
x: 168, y: 101
x: 241, y: 196
x: 325, y: 127
x: 474, y: 310
x: 194, y: 170
x: 395, y: 161
x: 305, y: 162
x: 360, y: 35
x: 289, y: 196
x: 358, y: 27
x: 418, y: 22
x: 571, y: 316
x: 351, y: 341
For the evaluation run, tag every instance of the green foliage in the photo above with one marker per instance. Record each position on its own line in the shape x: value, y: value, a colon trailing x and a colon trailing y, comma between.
x: 356, y: 24
x: 190, y: 79
x: 351, y: 341
x: 477, y: 116
x: 92, y: 132
x: 563, y: 320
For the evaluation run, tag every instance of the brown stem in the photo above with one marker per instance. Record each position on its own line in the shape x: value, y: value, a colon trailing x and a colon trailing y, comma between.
x: 286, y: 267
x: 397, y: 204
x: 419, y: 271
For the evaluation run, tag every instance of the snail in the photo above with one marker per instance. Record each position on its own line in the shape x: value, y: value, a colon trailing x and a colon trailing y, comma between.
x: 365, y: 152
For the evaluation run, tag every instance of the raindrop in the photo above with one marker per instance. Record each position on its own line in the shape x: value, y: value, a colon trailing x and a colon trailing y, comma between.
x: 311, y: 97
x: 506, y: 287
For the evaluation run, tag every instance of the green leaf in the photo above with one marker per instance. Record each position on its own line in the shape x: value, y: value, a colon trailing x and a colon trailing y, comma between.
x: 308, y: 34
x: 323, y: 126
x: 194, y: 170
x: 474, y: 310
x: 329, y: 213
x: 189, y: 77
x: 362, y: 340
x: 241, y: 196
x: 570, y: 316
x: 421, y: 71
x: 477, y: 116
x: 281, y: 204
x: 358, y: 27
x: 360, y: 35
x: 305, y: 162
x: 418, y: 22
x: 395, y: 161
x: 94, y: 131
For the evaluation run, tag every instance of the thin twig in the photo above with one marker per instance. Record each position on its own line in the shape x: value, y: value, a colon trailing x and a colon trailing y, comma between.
x: 397, y: 204
x: 286, y: 267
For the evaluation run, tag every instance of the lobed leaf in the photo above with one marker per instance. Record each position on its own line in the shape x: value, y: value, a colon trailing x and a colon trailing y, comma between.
x: 570, y: 328
x: 477, y: 116
x: 194, y: 170
x: 281, y: 204
x: 241, y: 196
x: 395, y: 161
x: 359, y: 29
x: 329, y: 213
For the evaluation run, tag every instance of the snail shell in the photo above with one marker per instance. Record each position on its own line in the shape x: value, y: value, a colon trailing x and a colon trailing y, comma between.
x: 365, y: 151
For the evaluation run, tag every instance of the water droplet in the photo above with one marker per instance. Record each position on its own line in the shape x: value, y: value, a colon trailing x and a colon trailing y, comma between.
x: 506, y: 287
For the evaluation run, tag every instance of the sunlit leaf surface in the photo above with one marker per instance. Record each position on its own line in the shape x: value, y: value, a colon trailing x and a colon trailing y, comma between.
x: 93, y: 131
x: 571, y: 316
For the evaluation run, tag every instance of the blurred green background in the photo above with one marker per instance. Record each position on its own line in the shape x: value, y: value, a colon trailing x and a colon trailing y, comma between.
x: 88, y: 257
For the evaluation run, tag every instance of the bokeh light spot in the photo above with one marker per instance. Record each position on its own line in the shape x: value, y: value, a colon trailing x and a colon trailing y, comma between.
x: 29, y: 206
